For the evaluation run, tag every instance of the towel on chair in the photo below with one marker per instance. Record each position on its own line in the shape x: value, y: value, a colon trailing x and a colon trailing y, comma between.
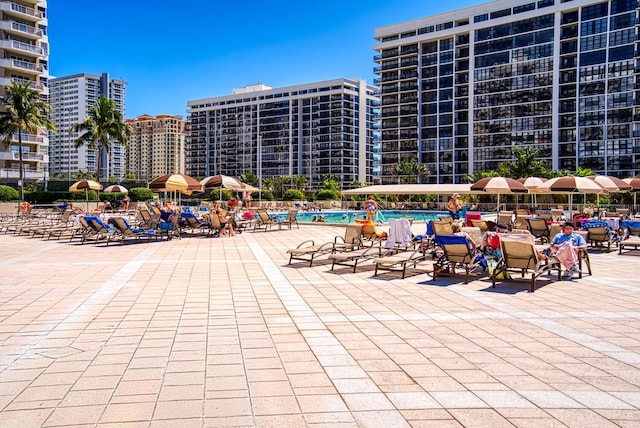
x: 399, y: 233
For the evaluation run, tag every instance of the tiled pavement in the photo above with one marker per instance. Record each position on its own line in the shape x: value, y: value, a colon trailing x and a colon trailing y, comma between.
x: 222, y: 332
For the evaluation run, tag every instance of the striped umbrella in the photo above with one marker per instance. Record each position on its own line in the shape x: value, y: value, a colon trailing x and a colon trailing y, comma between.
x: 611, y: 184
x: 570, y: 185
x: 498, y: 186
x: 532, y: 183
x: 173, y: 182
x: 84, y: 186
x: 224, y: 181
x: 635, y: 188
x: 116, y: 188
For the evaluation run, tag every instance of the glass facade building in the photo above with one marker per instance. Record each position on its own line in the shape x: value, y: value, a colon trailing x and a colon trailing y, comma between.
x: 310, y: 130
x: 461, y: 89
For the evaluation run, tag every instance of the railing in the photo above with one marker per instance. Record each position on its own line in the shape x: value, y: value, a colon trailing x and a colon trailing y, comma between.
x: 28, y: 138
x: 27, y: 47
x: 26, y: 10
x: 17, y: 63
x: 26, y: 29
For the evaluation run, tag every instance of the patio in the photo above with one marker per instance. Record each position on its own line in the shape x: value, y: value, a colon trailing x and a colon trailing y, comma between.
x: 222, y: 332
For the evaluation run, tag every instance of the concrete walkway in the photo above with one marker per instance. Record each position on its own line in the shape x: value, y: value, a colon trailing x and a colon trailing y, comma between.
x: 222, y: 332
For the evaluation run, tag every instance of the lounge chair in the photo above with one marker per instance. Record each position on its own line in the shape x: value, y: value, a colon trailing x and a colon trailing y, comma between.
x: 599, y: 234
x: 539, y: 229
x: 557, y: 214
x: 123, y: 231
x: 192, y: 224
x: 480, y: 224
x: 442, y: 228
x: 97, y: 230
x: 457, y: 250
x: 393, y: 261
x: 519, y: 254
x: 308, y: 250
x: 505, y: 218
x: 632, y: 241
x: 290, y: 220
x: 263, y: 220
x: 352, y: 258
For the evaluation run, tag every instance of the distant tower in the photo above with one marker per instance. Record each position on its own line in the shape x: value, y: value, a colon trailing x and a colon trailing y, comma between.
x: 24, y: 49
x: 156, y: 146
x: 71, y: 97
x: 311, y: 130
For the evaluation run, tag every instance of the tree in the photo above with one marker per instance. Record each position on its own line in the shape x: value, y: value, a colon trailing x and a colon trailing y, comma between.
x: 409, y: 170
x: 525, y: 164
x: 479, y: 175
x: 249, y: 178
x: 24, y: 111
x: 102, y: 126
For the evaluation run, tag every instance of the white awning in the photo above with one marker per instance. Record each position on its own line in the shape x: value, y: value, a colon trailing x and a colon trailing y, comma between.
x: 412, y: 189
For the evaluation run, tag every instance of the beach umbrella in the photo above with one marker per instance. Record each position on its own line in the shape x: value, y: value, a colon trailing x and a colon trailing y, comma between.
x: 498, y: 186
x: 226, y: 182
x: 570, y: 185
x: 610, y: 184
x: 84, y: 186
x: 176, y: 182
x: 635, y: 188
x: 116, y: 188
x: 532, y: 184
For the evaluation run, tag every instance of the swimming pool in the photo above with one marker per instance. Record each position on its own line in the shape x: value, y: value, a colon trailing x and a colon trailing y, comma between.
x: 343, y: 217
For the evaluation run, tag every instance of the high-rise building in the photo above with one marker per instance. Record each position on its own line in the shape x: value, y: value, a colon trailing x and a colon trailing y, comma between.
x: 156, y: 146
x: 24, y: 49
x: 71, y: 97
x: 310, y: 130
x: 461, y: 89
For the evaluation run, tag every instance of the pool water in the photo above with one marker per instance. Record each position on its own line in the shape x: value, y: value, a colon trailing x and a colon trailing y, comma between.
x: 343, y: 217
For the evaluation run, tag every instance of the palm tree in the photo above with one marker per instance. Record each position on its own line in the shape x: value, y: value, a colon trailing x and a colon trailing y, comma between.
x: 102, y: 126
x: 24, y: 110
x: 525, y: 164
x: 409, y: 170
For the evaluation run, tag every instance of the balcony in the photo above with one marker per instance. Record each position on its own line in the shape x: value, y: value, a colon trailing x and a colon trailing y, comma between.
x: 23, y: 66
x: 37, y: 86
x: 26, y: 157
x: 29, y: 174
x: 28, y: 139
x: 21, y: 29
x: 21, y: 11
x: 21, y: 47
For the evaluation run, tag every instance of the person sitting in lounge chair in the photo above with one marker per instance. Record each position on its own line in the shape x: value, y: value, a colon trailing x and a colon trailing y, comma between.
x: 566, y: 245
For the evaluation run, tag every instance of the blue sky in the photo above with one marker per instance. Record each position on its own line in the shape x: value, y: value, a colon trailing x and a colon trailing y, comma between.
x: 170, y: 54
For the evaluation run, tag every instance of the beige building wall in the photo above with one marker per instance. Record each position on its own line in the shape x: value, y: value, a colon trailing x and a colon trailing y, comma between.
x: 24, y: 55
x: 156, y: 146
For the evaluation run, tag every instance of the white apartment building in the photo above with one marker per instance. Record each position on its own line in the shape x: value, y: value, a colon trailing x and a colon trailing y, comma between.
x: 459, y: 90
x: 156, y: 146
x: 71, y: 97
x: 24, y: 57
x: 313, y: 129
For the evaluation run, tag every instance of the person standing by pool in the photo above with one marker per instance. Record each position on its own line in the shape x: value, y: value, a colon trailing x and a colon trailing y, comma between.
x: 454, y: 206
x: 370, y: 206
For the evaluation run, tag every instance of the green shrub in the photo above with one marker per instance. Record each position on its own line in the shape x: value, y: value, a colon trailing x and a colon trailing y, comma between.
x: 140, y: 194
x: 327, y: 194
x: 267, y: 195
x: 293, y: 195
x: 8, y: 193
